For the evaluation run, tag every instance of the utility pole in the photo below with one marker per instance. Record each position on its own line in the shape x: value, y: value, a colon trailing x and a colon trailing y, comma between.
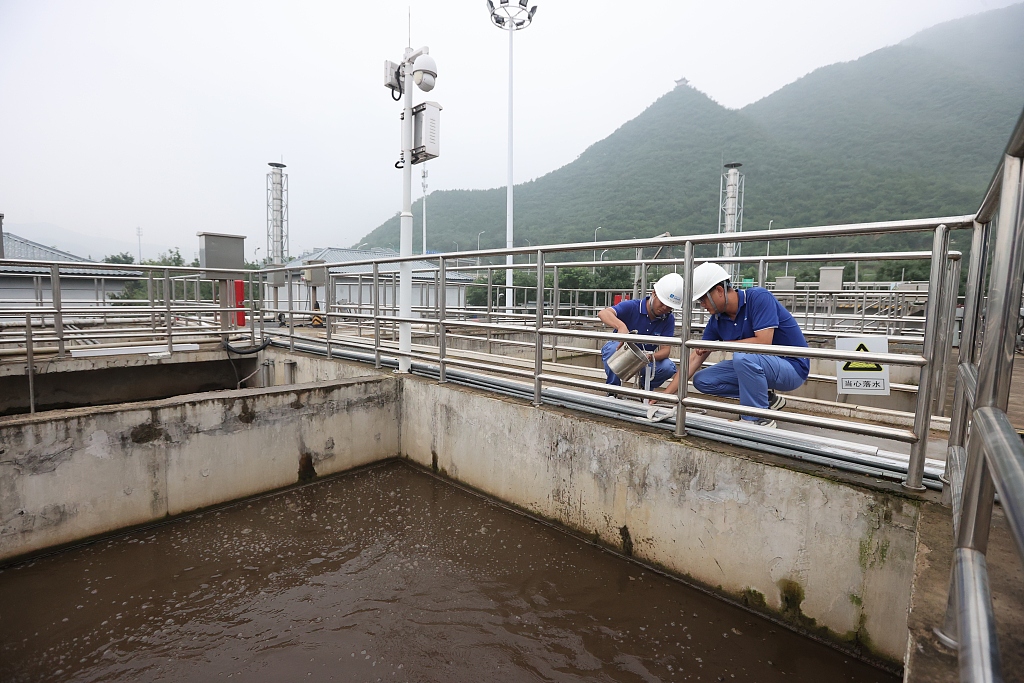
x: 138, y: 233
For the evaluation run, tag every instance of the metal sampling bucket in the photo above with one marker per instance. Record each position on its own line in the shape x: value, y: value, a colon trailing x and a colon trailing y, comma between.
x: 627, y: 360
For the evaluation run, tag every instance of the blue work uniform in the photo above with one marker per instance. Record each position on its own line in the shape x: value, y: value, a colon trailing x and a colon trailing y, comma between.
x: 749, y: 376
x: 633, y: 314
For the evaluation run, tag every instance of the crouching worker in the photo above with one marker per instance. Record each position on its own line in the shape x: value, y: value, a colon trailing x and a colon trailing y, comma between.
x: 749, y: 316
x: 650, y: 316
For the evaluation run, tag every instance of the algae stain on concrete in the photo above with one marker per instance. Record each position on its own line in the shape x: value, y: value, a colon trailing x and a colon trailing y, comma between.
x: 248, y: 415
x: 791, y: 596
x: 627, y: 541
x: 753, y: 599
x: 147, y: 432
x: 306, y: 469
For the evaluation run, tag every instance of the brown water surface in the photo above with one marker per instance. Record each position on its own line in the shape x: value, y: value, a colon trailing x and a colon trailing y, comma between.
x: 386, y: 574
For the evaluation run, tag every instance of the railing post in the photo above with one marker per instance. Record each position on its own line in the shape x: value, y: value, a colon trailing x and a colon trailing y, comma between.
x: 58, y: 317
x: 291, y: 310
x: 149, y: 296
x: 329, y: 301
x: 556, y: 304
x: 437, y: 301
x: 979, y: 652
x: 1004, y: 291
x: 638, y: 275
x: 686, y: 313
x: 968, y: 338
x: 490, y: 285
x: 30, y: 363
x: 996, y: 363
x: 538, y: 360
x: 263, y: 304
x: 556, y: 300
x: 922, y: 415
x: 375, y: 296
x: 252, y: 308
x: 947, y: 314
x: 169, y: 321
x: 442, y: 342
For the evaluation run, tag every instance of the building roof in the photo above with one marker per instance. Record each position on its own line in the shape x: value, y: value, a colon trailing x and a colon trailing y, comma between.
x: 340, y: 255
x: 18, y: 248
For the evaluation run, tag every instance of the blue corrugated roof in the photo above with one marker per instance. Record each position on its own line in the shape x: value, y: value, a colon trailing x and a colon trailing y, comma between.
x: 19, y: 248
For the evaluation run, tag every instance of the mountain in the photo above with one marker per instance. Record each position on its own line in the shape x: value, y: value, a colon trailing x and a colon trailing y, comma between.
x: 911, y: 130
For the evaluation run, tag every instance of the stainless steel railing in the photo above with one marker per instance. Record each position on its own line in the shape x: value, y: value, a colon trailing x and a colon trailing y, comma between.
x: 985, y: 453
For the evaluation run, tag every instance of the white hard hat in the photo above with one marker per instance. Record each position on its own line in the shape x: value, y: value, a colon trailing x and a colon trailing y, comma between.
x: 670, y: 290
x: 705, y: 277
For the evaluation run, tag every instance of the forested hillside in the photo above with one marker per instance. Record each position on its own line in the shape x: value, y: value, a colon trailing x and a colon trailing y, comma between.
x: 910, y: 130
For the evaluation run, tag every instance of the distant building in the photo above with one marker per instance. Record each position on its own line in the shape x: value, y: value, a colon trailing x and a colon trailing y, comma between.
x: 27, y: 282
x: 354, y: 284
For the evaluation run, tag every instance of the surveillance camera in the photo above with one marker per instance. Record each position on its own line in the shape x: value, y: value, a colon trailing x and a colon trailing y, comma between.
x: 424, y: 80
x: 424, y: 72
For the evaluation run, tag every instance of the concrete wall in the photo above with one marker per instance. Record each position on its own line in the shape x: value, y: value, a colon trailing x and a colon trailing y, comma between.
x: 832, y: 554
x: 317, y: 368
x: 828, y: 556
x: 109, y: 385
x: 69, y: 475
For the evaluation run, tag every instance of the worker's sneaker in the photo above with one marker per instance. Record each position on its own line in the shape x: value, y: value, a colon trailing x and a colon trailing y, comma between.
x: 775, y: 401
x: 764, y: 422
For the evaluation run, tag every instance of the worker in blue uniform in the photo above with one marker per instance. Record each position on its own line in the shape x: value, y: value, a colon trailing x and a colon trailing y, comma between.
x: 650, y: 316
x: 749, y: 316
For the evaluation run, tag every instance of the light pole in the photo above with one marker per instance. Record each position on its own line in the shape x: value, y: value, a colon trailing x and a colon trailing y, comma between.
x: 424, y: 184
x: 602, y: 255
x: 417, y: 67
x: 478, y: 246
x: 595, y: 241
x: 510, y: 16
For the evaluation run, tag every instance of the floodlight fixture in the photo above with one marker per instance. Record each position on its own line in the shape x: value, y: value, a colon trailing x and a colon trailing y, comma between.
x: 512, y: 16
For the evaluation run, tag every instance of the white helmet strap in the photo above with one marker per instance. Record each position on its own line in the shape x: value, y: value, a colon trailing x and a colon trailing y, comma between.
x: 726, y: 286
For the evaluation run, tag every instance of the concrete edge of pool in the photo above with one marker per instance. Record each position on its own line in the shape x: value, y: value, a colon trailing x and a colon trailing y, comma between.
x: 830, y: 554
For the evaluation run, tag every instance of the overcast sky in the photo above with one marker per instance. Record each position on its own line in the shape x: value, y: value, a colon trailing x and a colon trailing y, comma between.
x: 164, y: 114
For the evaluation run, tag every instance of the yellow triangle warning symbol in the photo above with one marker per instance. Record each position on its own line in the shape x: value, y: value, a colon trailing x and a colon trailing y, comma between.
x: 861, y: 366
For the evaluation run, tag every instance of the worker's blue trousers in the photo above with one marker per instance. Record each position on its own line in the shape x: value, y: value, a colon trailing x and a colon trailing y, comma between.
x: 748, y: 377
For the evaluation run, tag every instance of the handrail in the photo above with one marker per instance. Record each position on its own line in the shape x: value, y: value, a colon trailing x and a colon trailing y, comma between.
x: 808, y: 352
x: 1004, y: 454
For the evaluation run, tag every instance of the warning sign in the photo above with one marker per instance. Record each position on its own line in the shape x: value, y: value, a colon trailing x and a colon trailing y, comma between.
x: 861, y: 366
x: 862, y: 377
